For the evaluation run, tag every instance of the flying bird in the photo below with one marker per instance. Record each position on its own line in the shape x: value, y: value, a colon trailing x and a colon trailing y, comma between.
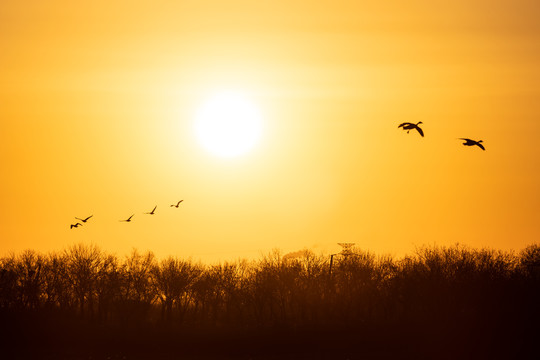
x: 128, y: 219
x: 177, y: 204
x: 84, y: 220
x: 75, y: 225
x: 409, y: 126
x: 469, y: 142
x: 153, y: 210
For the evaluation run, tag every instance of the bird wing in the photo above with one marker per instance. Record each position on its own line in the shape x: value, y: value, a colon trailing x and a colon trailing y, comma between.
x: 420, y: 131
x: 481, y: 146
x: 155, y: 207
x: 129, y: 218
x: 88, y: 218
x: 79, y: 219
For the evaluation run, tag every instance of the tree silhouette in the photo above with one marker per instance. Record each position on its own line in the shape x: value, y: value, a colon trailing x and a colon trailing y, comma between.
x: 464, y: 295
x: 173, y: 279
x: 83, y: 263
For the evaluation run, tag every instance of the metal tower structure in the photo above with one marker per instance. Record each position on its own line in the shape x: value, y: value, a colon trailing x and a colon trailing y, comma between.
x: 346, y: 248
x: 346, y: 251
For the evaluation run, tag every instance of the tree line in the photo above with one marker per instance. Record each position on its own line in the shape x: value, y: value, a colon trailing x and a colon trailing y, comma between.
x: 86, y: 282
x: 453, y: 289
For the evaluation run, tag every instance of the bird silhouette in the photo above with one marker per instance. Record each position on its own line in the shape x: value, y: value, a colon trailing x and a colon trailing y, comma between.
x: 469, y: 142
x: 153, y: 210
x: 84, y: 220
x: 409, y: 126
x: 177, y: 204
x: 128, y: 219
x: 75, y: 225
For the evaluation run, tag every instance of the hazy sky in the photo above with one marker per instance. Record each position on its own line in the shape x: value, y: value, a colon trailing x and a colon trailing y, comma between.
x: 97, y: 104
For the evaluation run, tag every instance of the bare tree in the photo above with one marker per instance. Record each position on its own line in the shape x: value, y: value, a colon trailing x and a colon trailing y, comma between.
x: 137, y: 292
x: 30, y: 278
x: 57, y: 287
x: 108, y: 285
x: 83, y: 263
x: 9, y: 283
x: 173, y: 279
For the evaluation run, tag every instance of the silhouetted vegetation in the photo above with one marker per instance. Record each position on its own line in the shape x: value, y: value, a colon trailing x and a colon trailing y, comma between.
x: 439, y: 301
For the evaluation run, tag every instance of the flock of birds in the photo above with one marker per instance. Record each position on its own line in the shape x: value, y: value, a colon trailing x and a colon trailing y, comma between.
x: 405, y: 126
x: 77, y: 224
x: 410, y: 126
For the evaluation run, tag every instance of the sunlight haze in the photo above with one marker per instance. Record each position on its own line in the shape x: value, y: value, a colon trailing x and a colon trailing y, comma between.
x: 99, y: 102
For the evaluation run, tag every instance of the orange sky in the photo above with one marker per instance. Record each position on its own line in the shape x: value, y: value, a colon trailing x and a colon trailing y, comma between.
x: 97, y: 103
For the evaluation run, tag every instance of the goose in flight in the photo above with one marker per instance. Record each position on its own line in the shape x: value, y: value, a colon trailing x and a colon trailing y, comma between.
x: 84, y: 220
x: 177, y: 204
x: 152, y: 212
x: 75, y: 225
x: 469, y: 142
x: 409, y: 126
x: 128, y: 219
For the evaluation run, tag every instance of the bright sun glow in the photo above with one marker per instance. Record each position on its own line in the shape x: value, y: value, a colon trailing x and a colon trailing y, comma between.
x: 228, y: 124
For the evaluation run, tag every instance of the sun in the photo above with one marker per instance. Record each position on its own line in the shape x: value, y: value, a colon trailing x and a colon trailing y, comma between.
x: 228, y: 124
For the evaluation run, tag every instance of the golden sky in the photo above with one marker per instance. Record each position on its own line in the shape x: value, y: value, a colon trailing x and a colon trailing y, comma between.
x: 97, y: 104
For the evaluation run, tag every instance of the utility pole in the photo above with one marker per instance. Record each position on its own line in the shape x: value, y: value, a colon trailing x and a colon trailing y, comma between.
x: 331, y: 261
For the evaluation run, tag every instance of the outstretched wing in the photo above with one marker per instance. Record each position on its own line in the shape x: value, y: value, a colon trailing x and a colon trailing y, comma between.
x: 88, y: 218
x: 129, y: 218
x: 481, y: 146
x: 402, y: 124
x: 420, y: 131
